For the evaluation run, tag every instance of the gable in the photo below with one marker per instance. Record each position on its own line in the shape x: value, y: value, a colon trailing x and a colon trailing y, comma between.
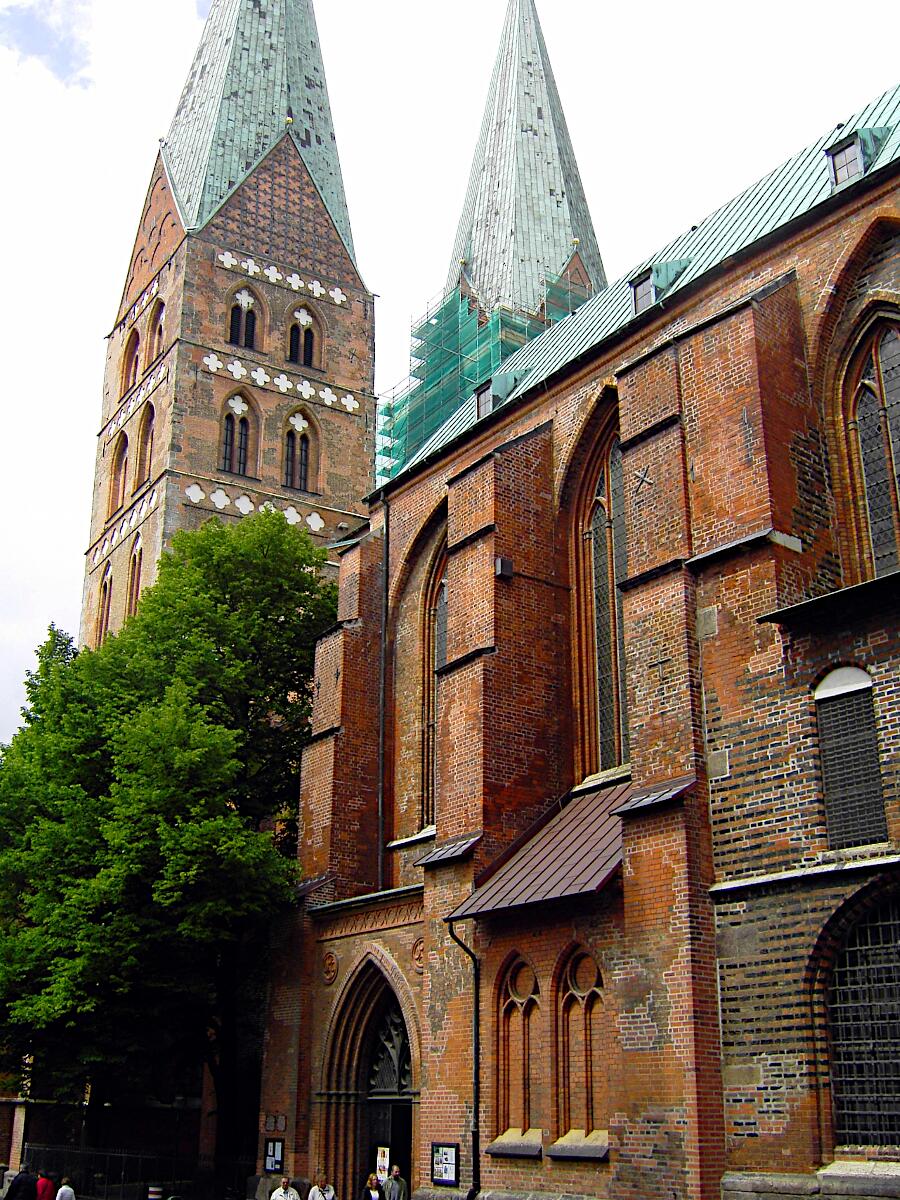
x: 159, y: 235
x: 278, y: 213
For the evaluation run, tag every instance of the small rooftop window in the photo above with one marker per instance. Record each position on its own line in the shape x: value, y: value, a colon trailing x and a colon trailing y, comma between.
x: 846, y: 162
x: 643, y: 291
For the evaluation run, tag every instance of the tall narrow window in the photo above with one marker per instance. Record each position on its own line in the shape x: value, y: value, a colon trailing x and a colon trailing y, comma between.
x: 290, y: 458
x: 519, y: 1059
x: 156, y: 333
x: 434, y: 658
x: 145, y: 446
x: 242, y: 330
x: 134, y: 579
x: 298, y: 455
x: 582, y: 1094
x: 226, y: 462
x: 609, y: 569
x: 131, y: 362
x: 243, y: 442
x: 303, y: 463
x: 864, y: 1024
x: 105, y: 607
x: 851, y: 767
x: 875, y: 417
x: 118, y: 480
x: 294, y: 344
x: 309, y: 345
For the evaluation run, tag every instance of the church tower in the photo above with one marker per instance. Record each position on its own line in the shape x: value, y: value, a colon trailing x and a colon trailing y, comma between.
x: 525, y: 255
x: 240, y: 368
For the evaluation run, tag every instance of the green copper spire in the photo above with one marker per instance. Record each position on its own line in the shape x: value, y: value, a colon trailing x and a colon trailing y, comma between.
x: 257, y: 73
x: 525, y: 211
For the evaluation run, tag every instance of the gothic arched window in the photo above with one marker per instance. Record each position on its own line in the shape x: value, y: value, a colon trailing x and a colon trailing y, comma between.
x: 433, y: 659
x: 104, y: 607
x: 131, y: 361
x: 296, y: 460
x: 238, y: 445
x: 145, y: 446
x: 851, y: 765
x: 874, y: 420
x: 601, y: 566
x: 134, y: 578
x: 118, y: 478
x: 156, y: 333
x: 309, y: 347
x: 294, y: 344
x: 242, y: 322
x: 582, y: 1101
x: 519, y: 1061
x: 864, y: 1028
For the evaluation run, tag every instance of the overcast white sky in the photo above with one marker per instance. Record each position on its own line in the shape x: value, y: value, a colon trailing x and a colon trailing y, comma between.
x: 672, y: 108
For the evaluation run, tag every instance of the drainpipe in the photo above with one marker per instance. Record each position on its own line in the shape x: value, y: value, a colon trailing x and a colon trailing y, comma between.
x: 382, y: 682
x: 476, y: 1054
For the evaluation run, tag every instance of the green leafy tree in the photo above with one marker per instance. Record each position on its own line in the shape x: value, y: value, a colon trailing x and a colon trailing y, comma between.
x: 139, y: 800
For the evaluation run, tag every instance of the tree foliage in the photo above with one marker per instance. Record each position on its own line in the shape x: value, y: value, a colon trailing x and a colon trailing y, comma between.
x: 138, y: 801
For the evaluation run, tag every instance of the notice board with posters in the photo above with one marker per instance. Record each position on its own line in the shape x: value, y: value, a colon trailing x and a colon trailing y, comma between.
x: 445, y: 1164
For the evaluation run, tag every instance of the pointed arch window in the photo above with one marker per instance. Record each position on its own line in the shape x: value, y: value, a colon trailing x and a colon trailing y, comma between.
x: 309, y: 347
x: 294, y: 344
x: 131, y: 362
x: 118, y: 479
x: 104, y: 607
x: 242, y: 323
x: 519, y: 1060
x: 875, y: 427
x: 582, y: 1100
x: 156, y: 333
x: 864, y: 1029
x: 236, y: 446
x: 134, y: 578
x: 296, y: 460
x: 145, y: 446
x: 851, y: 765
x: 601, y: 566
x: 434, y: 659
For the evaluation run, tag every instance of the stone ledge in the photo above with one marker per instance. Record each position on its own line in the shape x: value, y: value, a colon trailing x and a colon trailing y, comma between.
x: 838, y: 1181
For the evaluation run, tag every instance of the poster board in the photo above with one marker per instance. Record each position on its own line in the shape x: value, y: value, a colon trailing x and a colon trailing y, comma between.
x: 445, y: 1164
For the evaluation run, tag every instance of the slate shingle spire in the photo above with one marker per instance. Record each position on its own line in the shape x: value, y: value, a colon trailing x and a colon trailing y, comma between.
x: 257, y: 73
x: 525, y: 206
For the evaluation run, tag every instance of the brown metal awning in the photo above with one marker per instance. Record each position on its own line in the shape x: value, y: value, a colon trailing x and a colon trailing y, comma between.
x: 576, y: 852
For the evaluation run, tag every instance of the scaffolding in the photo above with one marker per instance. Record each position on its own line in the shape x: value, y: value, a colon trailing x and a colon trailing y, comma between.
x: 457, y: 348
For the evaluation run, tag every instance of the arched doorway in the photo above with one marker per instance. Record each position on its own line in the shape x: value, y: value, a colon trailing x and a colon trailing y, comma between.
x: 386, y: 1116
x: 368, y: 1094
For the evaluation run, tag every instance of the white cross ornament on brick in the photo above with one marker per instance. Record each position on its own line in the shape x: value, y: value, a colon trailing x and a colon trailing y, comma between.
x: 237, y: 369
x: 244, y: 505
x: 251, y: 267
x: 299, y: 422
x: 195, y: 493
x: 306, y: 389
x: 220, y: 498
x: 260, y: 377
x: 303, y: 317
x: 328, y: 396
x: 238, y: 405
x: 316, y: 288
x: 282, y: 383
x: 315, y: 522
x: 295, y: 281
x: 350, y: 403
x: 228, y: 260
x: 273, y: 274
x: 338, y: 295
x: 245, y: 299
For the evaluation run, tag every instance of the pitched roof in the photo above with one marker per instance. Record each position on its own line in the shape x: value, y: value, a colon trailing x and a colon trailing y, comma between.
x: 257, y: 66
x: 525, y: 204
x: 576, y: 852
x: 792, y: 190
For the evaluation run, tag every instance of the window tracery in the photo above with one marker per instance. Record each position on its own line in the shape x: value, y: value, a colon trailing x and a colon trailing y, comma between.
x: 851, y: 765
x: 582, y: 1102
x: 242, y: 324
x: 519, y: 1058
x: 118, y: 480
x: 433, y: 659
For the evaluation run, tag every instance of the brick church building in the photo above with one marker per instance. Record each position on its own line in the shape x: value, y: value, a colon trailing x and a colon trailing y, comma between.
x: 600, y: 814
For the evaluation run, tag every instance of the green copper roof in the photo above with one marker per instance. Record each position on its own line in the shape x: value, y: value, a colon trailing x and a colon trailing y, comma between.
x: 789, y: 192
x: 258, y: 65
x: 525, y: 206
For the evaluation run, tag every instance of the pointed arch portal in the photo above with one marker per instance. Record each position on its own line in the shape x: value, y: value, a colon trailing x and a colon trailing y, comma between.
x: 369, y: 1090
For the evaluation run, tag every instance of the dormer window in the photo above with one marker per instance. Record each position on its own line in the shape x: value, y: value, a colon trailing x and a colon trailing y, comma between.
x: 855, y: 154
x: 643, y: 291
x: 485, y: 400
x: 846, y: 162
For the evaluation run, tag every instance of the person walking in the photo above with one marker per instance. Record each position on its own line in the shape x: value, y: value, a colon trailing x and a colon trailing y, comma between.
x: 321, y: 1189
x: 23, y: 1186
x: 66, y: 1191
x: 372, y: 1189
x: 285, y: 1191
x: 396, y: 1187
x: 46, y: 1188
